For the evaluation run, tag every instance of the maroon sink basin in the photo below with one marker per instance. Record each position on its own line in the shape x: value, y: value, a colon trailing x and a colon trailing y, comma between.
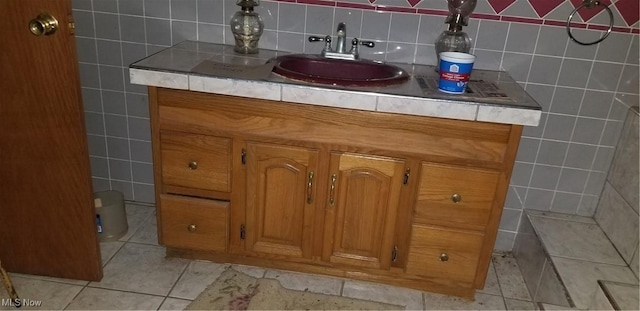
x: 317, y: 69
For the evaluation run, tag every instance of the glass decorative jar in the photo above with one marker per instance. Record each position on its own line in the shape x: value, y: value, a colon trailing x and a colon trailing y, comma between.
x: 246, y: 26
x: 453, y: 41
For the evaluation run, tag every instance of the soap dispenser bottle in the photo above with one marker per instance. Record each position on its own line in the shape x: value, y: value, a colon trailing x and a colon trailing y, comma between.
x: 246, y: 26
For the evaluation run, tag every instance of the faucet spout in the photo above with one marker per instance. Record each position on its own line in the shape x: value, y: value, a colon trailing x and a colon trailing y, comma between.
x: 342, y: 35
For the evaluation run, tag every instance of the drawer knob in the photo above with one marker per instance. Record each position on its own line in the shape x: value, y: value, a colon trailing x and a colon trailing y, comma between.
x: 456, y: 198
x: 444, y: 257
x: 193, y: 165
x: 192, y: 228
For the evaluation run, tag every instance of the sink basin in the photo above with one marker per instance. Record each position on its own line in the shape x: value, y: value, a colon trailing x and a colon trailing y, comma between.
x: 318, y: 69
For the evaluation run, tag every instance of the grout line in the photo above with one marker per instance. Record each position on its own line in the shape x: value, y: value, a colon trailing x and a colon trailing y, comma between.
x: 386, y: 49
x: 504, y: 47
x: 544, y: 115
x: 493, y: 264
x: 184, y: 270
x: 624, y: 264
x: 126, y: 106
x: 74, y: 297
x: 104, y: 123
x: 564, y: 161
x: 415, y: 48
x: 124, y: 291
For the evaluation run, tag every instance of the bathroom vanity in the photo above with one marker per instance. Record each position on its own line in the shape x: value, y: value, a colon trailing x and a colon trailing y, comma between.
x: 397, y: 184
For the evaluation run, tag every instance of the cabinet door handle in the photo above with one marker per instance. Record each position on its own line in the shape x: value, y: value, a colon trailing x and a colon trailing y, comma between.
x: 332, y: 190
x: 192, y: 228
x: 309, y: 188
x: 407, y: 173
x: 193, y: 165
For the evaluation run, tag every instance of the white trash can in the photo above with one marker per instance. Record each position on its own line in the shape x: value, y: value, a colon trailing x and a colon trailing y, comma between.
x: 111, y: 217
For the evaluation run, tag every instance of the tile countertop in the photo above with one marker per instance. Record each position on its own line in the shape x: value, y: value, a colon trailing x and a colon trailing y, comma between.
x: 174, y: 68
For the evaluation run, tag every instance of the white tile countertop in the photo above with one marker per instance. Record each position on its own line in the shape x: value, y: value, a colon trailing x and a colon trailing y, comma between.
x: 504, y: 101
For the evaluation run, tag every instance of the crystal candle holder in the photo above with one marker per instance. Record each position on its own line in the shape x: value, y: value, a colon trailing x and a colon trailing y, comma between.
x: 247, y: 27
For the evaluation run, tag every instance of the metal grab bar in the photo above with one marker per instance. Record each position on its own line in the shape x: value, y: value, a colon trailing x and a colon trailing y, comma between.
x: 590, y: 4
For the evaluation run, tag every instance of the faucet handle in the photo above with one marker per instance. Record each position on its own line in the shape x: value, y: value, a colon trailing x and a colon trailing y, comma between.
x: 368, y: 43
x: 319, y: 39
x: 356, y: 41
x: 326, y: 39
x: 354, y: 46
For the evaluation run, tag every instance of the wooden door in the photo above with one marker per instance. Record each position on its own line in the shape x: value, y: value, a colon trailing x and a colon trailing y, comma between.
x: 364, y: 195
x: 47, y: 217
x: 281, y: 196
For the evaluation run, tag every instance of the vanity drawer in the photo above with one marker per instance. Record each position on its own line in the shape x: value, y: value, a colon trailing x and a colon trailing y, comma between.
x: 191, y: 223
x: 444, y: 254
x: 452, y: 195
x: 196, y: 161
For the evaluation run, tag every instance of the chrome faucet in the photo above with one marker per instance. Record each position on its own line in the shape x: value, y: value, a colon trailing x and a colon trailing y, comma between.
x: 342, y: 35
x: 340, y: 52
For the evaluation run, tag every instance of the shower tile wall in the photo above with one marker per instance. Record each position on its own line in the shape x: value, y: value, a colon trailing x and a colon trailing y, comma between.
x: 585, y: 91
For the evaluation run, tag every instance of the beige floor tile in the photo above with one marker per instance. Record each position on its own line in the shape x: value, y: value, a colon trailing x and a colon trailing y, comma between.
x: 250, y: 271
x: 39, y: 294
x: 410, y: 298
x: 197, y: 276
x: 576, y: 240
x: 515, y: 304
x: 482, y: 302
x: 551, y: 289
x: 307, y: 282
x: 625, y: 295
x: 148, y: 232
x: 105, y: 299
x: 143, y: 269
x: 174, y: 304
x: 108, y: 249
x: 581, y: 277
x: 136, y: 216
x: 549, y: 306
x: 510, y: 278
x: 48, y: 278
x: 491, y: 285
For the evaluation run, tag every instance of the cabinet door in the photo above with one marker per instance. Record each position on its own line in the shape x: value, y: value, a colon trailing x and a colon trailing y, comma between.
x: 280, y: 199
x: 361, y: 210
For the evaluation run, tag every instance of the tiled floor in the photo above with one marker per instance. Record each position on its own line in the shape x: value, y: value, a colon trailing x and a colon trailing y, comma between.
x: 581, y: 254
x: 138, y: 276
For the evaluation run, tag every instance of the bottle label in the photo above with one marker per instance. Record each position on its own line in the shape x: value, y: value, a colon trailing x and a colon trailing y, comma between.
x: 454, y: 76
x: 99, y: 223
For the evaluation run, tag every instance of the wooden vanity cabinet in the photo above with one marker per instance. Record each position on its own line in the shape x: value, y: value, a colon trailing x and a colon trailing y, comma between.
x: 398, y: 199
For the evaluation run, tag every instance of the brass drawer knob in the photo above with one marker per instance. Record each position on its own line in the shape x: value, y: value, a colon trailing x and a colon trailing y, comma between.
x: 193, y: 165
x: 192, y: 228
x: 444, y: 257
x: 456, y: 198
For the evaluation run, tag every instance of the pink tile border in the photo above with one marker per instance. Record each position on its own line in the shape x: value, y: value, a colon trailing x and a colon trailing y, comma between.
x: 482, y: 16
x: 385, y: 8
x: 524, y: 20
x: 355, y: 6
